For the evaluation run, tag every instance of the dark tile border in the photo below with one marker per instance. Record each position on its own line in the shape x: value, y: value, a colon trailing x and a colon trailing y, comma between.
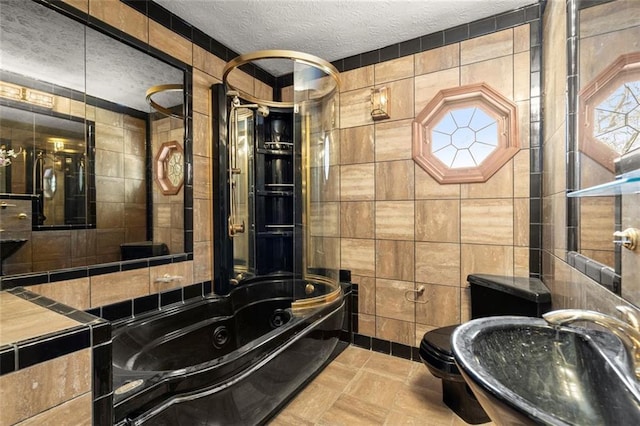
x: 140, y: 305
x: 90, y: 331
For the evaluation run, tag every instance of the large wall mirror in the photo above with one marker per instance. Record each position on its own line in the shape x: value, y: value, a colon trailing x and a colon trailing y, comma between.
x: 82, y: 140
x: 604, y: 129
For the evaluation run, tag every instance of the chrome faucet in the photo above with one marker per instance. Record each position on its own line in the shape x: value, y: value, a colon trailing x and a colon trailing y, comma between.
x: 628, y: 331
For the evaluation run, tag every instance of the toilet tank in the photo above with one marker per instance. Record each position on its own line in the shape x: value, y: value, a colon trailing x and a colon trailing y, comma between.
x: 493, y: 295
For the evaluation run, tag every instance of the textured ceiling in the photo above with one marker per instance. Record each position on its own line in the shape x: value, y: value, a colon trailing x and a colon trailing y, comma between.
x: 44, y: 45
x: 330, y: 29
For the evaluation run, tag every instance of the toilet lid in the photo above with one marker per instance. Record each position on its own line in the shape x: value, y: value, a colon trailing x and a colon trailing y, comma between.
x: 440, y: 339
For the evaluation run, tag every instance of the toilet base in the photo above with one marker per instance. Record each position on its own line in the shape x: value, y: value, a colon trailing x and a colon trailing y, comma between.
x: 457, y: 396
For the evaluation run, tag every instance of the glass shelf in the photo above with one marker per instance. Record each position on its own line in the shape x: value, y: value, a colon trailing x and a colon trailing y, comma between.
x: 628, y: 183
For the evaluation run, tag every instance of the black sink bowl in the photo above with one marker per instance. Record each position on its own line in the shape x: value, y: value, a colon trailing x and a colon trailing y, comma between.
x: 524, y: 371
x: 10, y: 246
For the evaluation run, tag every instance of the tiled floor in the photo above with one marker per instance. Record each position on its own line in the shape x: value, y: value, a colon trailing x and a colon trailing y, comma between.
x: 362, y: 387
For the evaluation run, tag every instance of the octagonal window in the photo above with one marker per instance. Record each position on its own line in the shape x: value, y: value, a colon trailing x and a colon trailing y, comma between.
x: 465, y: 134
x: 610, y: 111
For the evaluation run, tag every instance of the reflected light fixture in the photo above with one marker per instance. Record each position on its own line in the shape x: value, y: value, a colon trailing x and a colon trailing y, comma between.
x: 24, y: 94
x: 380, y: 103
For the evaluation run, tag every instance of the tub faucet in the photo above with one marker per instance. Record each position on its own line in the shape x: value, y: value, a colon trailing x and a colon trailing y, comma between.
x: 628, y: 331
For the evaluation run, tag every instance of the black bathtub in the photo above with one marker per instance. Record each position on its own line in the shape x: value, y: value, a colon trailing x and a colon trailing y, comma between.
x: 230, y: 360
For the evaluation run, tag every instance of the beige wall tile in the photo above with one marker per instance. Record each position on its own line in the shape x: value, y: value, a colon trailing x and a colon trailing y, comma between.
x: 201, y: 91
x: 394, y: 260
x: 395, y: 69
x: 438, y: 59
x: 394, y: 180
x: 82, y: 5
x: 521, y: 222
x: 521, y: 261
x: 324, y: 219
x: 486, y: 221
x: 357, y: 182
x: 601, y: 19
x: 428, y: 85
x: 169, y: 42
x: 111, y: 288
x: 395, y: 330
x: 390, y: 300
x: 521, y: 76
x: 366, y: 324
x: 166, y: 277
x: 521, y: 38
x: 521, y: 173
x: 355, y: 108
x: 357, y: 219
x: 356, y: 79
x: 366, y: 295
x: 76, y: 411
x: 34, y: 389
x: 74, y: 293
x: 393, y: 140
x: 486, y: 259
x: 201, y: 135
x: 438, y: 263
x: 442, y: 307
x: 395, y: 220
x: 202, y: 261
x: 401, y: 95
x: 438, y: 220
x: 497, y: 73
x: 263, y: 91
x: 359, y: 256
x: 357, y: 145
x: 489, y: 46
x: 500, y: 185
x: 201, y: 177
x: 421, y: 329
x: 121, y: 16
x: 428, y: 187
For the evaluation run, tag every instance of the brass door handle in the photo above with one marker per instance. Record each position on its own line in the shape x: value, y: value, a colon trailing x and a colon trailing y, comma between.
x: 22, y: 216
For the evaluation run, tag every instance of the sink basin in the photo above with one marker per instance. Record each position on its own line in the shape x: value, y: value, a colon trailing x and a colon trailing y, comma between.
x: 10, y: 246
x: 524, y: 371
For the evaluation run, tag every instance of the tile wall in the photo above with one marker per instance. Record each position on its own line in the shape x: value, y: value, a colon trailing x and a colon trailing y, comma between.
x: 400, y: 229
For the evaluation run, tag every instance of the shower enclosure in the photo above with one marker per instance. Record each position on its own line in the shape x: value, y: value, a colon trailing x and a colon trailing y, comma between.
x: 276, y: 208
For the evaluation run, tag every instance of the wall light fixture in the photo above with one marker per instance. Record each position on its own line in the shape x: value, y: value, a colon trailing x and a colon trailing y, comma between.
x: 380, y: 103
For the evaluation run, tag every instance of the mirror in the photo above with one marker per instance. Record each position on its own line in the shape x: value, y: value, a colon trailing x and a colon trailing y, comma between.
x: 73, y: 107
x: 607, y: 119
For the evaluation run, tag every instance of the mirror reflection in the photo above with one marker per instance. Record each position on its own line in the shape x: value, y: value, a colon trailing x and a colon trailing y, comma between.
x: 608, y: 123
x: 73, y: 107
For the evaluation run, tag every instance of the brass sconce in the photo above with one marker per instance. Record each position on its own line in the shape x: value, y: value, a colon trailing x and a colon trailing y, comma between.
x: 380, y: 103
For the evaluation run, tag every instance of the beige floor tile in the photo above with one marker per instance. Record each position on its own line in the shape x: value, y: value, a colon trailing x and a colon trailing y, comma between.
x: 386, y: 365
x: 422, y: 402
x: 374, y: 388
x: 353, y: 357
x: 398, y: 418
x: 422, y: 377
x: 287, y: 418
x: 351, y: 411
x: 336, y: 376
x: 312, y: 402
x: 362, y: 387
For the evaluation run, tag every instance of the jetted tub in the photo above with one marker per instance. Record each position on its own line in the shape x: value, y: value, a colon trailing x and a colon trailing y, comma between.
x: 231, y: 360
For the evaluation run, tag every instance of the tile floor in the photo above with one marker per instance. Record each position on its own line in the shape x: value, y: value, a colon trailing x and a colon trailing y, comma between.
x: 362, y: 387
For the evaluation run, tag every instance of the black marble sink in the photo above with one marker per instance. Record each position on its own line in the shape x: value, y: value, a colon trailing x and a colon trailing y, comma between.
x: 524, y: 371
x: 10, y: 246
